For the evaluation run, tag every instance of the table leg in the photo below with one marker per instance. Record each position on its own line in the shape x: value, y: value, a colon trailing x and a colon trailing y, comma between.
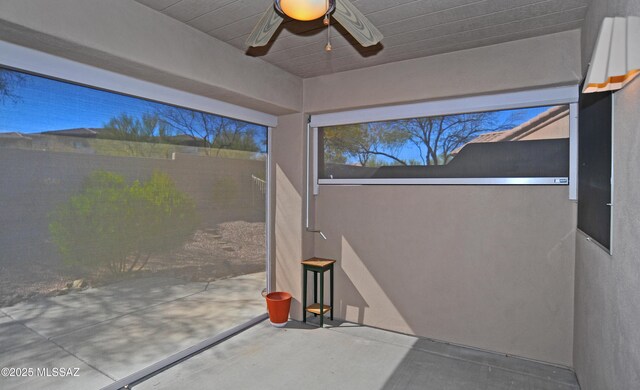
x: 304, y: 295
x: 331, y: 290
x: 315, y: 288
x: 321, y: 298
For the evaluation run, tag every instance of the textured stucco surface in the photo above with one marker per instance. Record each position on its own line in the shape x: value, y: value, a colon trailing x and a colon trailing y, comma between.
x: 607, y: 335
x: 291, y: 243
x: 498, y: 68
x: 486, y: 266
x: 490, y: 267
x: 607, y: 306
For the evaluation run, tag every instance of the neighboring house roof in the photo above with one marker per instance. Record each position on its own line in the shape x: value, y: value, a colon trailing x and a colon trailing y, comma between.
x: 85, y: 132
x: 78, y: 132
x: 525, y: 129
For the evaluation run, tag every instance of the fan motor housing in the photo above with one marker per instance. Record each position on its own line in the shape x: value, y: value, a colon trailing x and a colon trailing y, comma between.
x: 331, y: 8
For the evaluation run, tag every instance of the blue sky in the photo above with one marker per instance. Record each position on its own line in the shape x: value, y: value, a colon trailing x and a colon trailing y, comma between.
x: 45, y: 104
x: 513, y: 118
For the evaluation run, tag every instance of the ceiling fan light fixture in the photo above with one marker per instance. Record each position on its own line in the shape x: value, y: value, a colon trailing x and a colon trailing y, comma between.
x: 342, y: 11
x: 305, y: 9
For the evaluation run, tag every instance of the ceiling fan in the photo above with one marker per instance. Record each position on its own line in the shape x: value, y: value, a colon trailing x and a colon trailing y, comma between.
x: 342, y: 11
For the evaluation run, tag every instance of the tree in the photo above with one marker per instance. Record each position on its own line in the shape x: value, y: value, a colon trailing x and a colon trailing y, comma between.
x: 211, y: 132
x: 139, y: 137
x: 363, y: 142
x: 437, y: 138
x: 9, y: 80
x: 418, y: 141
x: 127, y: 128
x: 117, y: 226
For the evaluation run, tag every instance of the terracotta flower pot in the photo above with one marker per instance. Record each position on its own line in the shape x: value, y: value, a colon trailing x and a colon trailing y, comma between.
x: 278, y: 304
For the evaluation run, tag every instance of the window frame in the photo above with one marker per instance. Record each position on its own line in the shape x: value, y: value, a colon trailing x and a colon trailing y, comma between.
x: 565, y: 95
x: 37, y: 63
x: 46, y: 65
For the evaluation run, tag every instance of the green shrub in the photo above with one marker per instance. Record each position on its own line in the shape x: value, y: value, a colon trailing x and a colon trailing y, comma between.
x: 118, y: 226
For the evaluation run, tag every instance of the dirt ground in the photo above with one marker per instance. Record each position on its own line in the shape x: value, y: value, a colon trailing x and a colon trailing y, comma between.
x: 230, y: 249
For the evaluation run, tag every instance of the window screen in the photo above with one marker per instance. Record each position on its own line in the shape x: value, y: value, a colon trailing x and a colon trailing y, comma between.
x: 594, y: 161
x: 521, y: 143
x: 130, y: 229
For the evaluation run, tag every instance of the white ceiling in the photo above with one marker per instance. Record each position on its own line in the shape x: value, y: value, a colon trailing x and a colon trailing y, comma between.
x: 411, y: 28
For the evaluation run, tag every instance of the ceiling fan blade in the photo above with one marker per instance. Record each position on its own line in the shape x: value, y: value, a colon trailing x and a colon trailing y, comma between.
x: 356, y: 23
x: 266, y: 27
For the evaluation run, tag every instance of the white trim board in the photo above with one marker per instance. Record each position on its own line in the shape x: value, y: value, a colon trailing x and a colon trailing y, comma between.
x: 451, y: 181
x: 269, y: 212
x: 504, y: 101
x: 573, y: 151
x: 48, y: 65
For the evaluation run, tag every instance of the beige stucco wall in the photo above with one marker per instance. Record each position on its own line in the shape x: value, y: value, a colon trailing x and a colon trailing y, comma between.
x: 490, y: 267
x: 542, y: 61
x: 290, y: 242
x: 129, y: 38
x: 556, y: 129
x: 483, y: 266
x: 607, y: 306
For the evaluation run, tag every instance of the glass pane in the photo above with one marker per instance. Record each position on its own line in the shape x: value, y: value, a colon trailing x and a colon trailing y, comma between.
x: 131, y: 229
x: 528, y: 142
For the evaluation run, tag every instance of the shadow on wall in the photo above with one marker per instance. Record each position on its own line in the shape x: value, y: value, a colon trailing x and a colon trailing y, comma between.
x: 288, y: 230
x: 487, y: 267
x: 358, y: 294
x: 357, y: 274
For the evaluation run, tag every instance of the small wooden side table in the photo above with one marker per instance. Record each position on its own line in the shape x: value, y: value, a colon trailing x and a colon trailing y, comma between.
x: 318, y: 266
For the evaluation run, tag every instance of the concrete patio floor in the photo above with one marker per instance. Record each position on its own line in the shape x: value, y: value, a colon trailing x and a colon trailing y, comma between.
x: 349, y: 356
x: 115, y: 330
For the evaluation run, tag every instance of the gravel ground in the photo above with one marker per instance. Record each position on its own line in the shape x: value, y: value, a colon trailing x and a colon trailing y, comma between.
x: 230, y: 249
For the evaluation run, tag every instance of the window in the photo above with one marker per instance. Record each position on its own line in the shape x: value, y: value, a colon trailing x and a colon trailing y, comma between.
x: 516, y: 143
x: 467, y: 140
x: 119, y: 210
